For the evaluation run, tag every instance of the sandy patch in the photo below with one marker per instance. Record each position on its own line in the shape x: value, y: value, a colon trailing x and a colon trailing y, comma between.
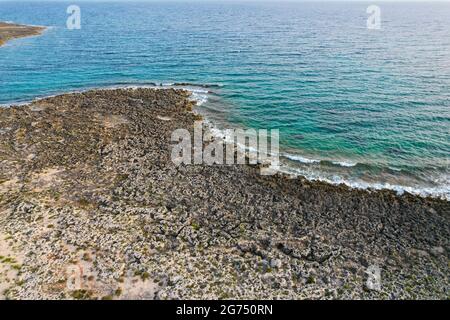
x: 46, y: 179
x: 10, y: 263
x: 9, y: 185
x: 113, y: 121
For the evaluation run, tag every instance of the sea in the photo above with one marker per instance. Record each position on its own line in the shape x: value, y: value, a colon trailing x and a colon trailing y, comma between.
x: 355, y: 104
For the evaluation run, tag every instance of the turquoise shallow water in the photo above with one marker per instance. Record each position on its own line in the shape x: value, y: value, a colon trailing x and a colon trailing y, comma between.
x: 370, y: 108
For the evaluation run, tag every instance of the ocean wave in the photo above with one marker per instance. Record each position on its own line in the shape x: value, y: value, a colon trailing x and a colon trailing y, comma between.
x: 199, y: 97
x: 302, y: 159
x: 344, y: 163
x: 440, y: 191
x: 299, y: 158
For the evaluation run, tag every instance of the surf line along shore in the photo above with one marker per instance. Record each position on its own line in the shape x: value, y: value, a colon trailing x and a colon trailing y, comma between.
x: 9, y: 31
x: 237, y: 146
x: 88, y: 185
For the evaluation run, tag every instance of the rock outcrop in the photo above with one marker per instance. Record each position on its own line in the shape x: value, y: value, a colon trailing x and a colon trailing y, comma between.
x: 92, y: 207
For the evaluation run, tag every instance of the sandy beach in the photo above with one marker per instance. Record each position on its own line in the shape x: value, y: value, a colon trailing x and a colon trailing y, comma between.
x: 92, y: 207
x: 9, y: 31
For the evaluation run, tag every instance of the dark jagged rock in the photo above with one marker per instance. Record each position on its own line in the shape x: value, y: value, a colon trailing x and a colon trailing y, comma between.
x: 91, y: 206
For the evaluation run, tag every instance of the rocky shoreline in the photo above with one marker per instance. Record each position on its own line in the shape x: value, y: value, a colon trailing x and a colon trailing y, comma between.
x: 92, y: 207
x: 9, y: 31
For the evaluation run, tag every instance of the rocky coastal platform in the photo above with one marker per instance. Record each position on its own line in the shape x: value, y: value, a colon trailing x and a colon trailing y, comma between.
x: 9, y: 31
x: 92, y: 207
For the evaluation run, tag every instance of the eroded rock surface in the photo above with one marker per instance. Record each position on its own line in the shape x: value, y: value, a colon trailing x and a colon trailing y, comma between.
x: 92, y: 207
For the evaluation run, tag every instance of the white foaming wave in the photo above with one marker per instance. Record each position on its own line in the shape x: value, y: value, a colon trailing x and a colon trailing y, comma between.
x: 344, y: 163
x: 218, y: 133
x: 200, y: 96
x: 441, y: 191
x: 299, y: 158
x: 302, y: 159
x: 16, y: 104
x: 228, y: 137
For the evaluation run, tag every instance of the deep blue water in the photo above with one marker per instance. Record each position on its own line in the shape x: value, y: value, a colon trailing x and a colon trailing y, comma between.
x: 372, y: 106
